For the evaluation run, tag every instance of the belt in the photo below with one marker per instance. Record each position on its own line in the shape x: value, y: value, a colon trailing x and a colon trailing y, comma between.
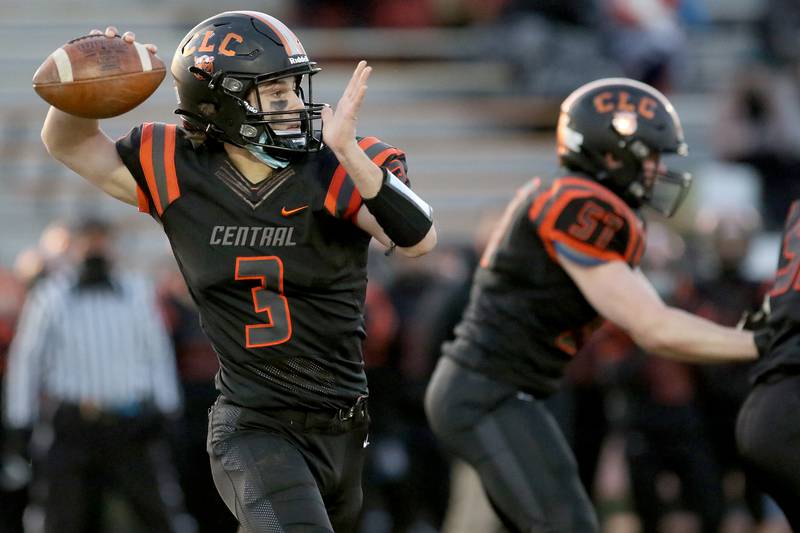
x: 341, y: 418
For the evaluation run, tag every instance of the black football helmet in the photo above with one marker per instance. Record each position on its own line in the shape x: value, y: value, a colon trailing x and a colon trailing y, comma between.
x: 630, y: 121
x: 226, y: 56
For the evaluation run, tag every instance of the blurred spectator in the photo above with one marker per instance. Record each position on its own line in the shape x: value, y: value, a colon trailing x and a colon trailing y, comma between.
x: 575, y: 12
x: 12, y: 295
x: 466, y: 12
x: 91, y: 366
x: 333, y: 13
x: 553, y: 46
x: 759, y: 124
x: 47, y: 257
x: 779, y: 30
x: 29, y: 267
x: 14, y: 471
x: 53, y: 245
x: 197, y: 365
x: 646, y: 38
x: 344, y: 13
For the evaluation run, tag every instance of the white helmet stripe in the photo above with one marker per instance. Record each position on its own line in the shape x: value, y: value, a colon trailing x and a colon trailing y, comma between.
x: 290, y: 41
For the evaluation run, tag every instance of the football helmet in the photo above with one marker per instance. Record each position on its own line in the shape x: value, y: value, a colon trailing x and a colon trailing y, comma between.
x: 631, y: 122
x: 222, y: 59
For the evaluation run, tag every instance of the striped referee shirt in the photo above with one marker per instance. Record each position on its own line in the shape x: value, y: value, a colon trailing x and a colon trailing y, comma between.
x: 108, y: 347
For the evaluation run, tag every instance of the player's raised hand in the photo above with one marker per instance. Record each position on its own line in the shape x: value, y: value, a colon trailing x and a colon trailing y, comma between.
x: 339, y: 125
x: 128, y: 37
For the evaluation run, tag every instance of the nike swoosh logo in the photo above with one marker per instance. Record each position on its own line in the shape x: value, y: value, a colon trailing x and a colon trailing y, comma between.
x: 289, y: 212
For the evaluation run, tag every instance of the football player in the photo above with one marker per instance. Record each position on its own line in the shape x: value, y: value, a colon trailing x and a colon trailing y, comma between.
x: 564, y: 257
x: 269, y: 219
x: 767, y: 428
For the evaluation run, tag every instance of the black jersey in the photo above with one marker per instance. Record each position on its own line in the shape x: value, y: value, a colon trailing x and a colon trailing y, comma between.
x: 526, y: 317
x: 277, y: 269
x: 779, y: 342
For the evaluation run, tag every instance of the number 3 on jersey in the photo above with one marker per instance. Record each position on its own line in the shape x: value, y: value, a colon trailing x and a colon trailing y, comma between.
x: 267, y: 298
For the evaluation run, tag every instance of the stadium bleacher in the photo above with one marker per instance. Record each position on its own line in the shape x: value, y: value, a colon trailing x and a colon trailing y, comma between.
x: 470, y: 135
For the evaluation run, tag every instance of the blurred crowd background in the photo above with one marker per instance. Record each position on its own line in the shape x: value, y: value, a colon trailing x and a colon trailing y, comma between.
x: 470, y: 90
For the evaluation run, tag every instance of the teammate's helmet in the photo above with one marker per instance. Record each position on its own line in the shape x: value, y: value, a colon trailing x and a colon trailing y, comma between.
x: 630, y: 121
x: 226, y: 56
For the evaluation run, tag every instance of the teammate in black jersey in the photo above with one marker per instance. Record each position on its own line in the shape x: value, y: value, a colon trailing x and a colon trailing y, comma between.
x: 269, y: 219
x: 768, y: 426
x: 565, y: 256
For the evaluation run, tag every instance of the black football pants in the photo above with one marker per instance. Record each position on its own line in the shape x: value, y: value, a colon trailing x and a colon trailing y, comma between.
x: 278, y: 476
x: 515, y: 445
x: 768, y: 436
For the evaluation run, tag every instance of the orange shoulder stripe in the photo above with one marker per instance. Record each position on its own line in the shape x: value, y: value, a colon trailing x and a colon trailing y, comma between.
x: 144, y: 203
x: 146, y: 159
x: 384, y: 155
x: 338, y: 178
x: 173, y: 191
x: 353, y: 205
x: 333, y: 189
x: 538, y: 204
x: 379, y: 159
x: 584, y: 248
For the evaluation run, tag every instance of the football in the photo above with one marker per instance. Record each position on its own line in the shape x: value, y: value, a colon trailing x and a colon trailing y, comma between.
x: 95, y: 76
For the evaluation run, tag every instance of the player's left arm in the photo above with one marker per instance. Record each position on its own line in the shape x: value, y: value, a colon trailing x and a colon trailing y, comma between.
x: 391, y: 213
x: 625, y: 297
x: 596, y: 239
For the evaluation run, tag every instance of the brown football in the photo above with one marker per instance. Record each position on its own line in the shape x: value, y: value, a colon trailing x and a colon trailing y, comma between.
x: 98, y: 77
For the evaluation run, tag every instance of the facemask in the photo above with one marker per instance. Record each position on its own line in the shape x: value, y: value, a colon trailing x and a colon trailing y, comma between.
x: 264, y: 157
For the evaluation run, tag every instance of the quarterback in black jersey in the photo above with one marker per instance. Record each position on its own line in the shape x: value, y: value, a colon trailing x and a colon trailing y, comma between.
x: 563, y: 257
x: 768, y: 425
x: 269, y: 217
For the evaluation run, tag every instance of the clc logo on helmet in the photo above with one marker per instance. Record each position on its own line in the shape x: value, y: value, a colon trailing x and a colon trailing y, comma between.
x: 207, y: 46
x: 204, y: 62
x: 608, y: 101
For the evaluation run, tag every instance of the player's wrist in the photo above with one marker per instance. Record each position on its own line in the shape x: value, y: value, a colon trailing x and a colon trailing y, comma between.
x: 345, y: 151
x: 74, y: 120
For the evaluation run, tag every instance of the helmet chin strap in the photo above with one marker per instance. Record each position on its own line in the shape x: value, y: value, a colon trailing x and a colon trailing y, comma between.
x: 262, y: 155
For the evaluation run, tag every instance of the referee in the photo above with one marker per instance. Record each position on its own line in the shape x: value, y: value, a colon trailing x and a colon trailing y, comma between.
x: 92, y: 360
